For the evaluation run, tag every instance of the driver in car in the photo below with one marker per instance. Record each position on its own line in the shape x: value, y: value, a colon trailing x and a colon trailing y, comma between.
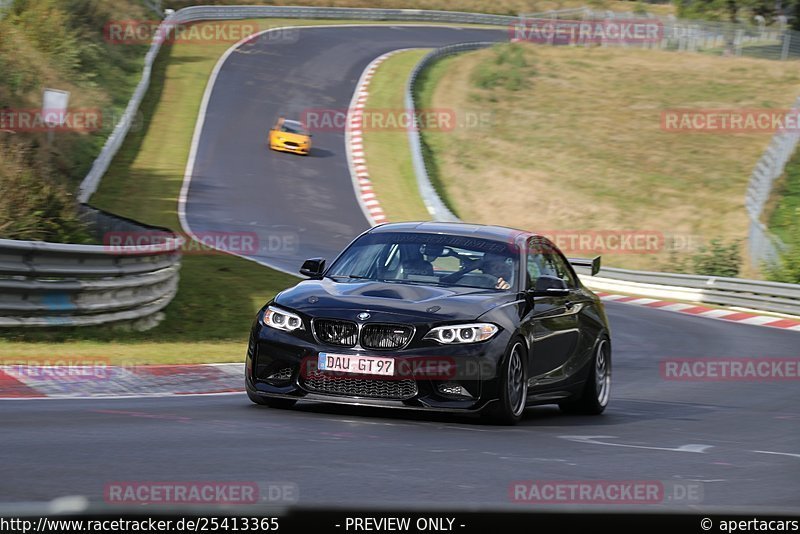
x: 496, y: 265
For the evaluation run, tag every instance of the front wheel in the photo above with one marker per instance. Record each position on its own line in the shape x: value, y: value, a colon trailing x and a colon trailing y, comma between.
x: 513, y: 386
x: 597, y: 390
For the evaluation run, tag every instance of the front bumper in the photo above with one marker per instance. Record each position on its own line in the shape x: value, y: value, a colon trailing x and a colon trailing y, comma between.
x: 282, y: 365
x: 295, y: 149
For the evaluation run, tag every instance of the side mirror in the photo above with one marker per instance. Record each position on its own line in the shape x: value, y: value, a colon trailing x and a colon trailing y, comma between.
x: 313, y: 268
x: 550, y: 286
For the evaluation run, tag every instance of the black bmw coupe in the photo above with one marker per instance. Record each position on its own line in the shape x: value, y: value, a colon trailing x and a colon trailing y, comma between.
x: 436, y: 316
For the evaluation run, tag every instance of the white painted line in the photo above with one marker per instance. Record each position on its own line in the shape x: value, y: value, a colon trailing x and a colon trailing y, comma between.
x: 780, y: 453
x: 594, y: 440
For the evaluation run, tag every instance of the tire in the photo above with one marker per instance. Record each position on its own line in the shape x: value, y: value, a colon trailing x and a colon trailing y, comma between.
x: 596, y: 393
x: 510, y: 406
x: 271, y: 402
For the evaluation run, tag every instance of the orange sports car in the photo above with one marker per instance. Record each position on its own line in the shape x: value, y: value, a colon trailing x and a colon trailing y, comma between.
x: 290, y: 136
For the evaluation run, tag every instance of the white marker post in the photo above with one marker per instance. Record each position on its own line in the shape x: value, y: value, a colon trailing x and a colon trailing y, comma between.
x: 54, y: 109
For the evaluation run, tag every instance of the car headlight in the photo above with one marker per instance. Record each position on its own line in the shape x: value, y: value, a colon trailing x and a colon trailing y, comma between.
x: 462, y: 333
x: 282, y: 319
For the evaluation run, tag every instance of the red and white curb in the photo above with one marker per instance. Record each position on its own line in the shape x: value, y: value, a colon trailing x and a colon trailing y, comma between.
x: 33, y: 381
x: 704, y: 311
x: 354, y: 141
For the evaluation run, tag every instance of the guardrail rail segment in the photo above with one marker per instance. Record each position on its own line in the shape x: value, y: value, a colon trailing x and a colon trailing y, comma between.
x: 721, y: 291
x: 54, y: 284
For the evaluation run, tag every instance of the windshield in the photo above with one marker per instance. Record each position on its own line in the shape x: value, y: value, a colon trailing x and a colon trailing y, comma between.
x: 430, y: 259
x: 293, y: 127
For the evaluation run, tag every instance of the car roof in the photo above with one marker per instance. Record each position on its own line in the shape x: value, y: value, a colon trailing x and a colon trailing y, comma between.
x: 291, y: 122
x: 484, y: 231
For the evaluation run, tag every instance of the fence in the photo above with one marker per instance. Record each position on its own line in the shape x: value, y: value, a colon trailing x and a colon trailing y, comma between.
x: 54, y: 284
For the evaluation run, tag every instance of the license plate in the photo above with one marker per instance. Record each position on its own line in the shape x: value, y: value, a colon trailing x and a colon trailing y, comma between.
x: 350, y: 363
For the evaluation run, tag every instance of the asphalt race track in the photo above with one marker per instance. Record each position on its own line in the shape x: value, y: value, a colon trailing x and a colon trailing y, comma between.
x: 300, y: 207
x: 739, y: 441
x: 357, y: 456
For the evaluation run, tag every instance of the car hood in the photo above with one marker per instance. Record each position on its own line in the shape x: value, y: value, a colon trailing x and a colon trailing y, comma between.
x: 411, y: 301
x: 296, y: 138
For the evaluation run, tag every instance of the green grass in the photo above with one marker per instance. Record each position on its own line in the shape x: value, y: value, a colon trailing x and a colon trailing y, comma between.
x: 784, y: 217
x: 387, y: 153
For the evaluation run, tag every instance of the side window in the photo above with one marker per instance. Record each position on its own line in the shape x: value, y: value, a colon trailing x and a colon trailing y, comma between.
x: 543, y: 259
x: 534, y: 262
x: 561, y: 268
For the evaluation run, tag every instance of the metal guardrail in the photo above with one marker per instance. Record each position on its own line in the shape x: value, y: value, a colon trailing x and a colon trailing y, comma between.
x: 54, y: 284
x: 752, y: 294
